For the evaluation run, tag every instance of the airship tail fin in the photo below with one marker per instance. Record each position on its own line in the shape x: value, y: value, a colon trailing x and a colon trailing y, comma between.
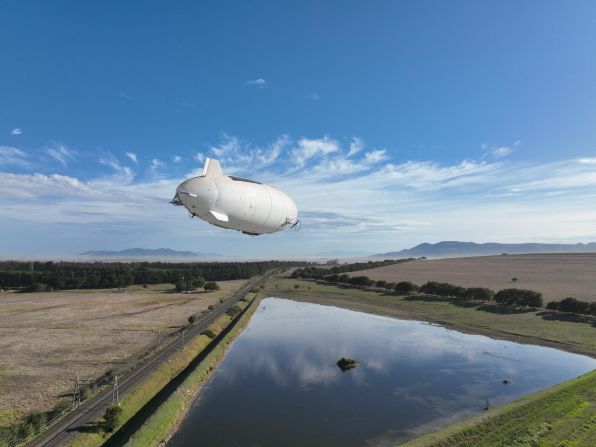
x: 211, y: 168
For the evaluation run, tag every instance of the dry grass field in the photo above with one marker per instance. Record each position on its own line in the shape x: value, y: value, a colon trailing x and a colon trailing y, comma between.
x: 557, y: 276
x: 46, y: 339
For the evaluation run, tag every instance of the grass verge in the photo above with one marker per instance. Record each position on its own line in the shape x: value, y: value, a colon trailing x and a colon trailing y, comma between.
x: 561, y: 416
x: 162, y: 423
x: 136, y: 399
x: 519, y: 325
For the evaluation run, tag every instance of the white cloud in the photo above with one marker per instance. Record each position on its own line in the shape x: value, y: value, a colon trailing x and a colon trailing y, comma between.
x: 341, y: 191
x: 16, y: 131
x: 11, y: 156
x: 156, y: 165
x: 313, y: 96
x: 200, y: 157
x: 126, y: 96
x: 260, y: 82
x: 376, y: 156
x: 356, y: 145
x: 176, y: 158
x: 132, y: 156
x: 60, y: 153
x: 124, y: 171
x: 502, y: 151
x: 310, y: 148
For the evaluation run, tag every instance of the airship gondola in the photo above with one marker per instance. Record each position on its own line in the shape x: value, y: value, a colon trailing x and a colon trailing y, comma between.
x: 236, y: 203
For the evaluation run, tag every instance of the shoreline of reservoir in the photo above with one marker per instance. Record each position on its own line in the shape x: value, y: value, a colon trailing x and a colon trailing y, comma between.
x: 538, y: 332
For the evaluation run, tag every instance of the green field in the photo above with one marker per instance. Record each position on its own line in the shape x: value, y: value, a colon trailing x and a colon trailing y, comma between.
x: 574, y: 334
x: 561, y: 416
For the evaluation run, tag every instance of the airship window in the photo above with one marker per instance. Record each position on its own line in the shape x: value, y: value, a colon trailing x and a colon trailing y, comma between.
x: 240, y: 179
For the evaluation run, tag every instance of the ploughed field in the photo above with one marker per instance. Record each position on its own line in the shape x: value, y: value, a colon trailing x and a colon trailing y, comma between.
x: 46, y: 339
x: 556, y: 276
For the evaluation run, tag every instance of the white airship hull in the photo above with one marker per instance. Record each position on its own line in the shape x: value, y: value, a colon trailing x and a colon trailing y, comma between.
x: 236, y: 203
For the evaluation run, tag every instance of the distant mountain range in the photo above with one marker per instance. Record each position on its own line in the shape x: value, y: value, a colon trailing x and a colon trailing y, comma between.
x: 147, y: 253
x: 454, y: 249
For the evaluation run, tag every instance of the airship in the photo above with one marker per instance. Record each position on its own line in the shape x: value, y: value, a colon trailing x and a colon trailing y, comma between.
x: 236, y: 203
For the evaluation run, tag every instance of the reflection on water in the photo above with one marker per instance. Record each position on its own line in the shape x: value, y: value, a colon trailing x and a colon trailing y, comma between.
x: 279, y: 385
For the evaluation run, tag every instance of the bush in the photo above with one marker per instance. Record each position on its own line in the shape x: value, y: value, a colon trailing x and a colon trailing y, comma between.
x: 210, y: 286
x: 443, y: 289
x: 233, y: 311
x: 209, y: 333
x: 112, y: 417
x: 36, y: 287
x: 296, y: 286
x: 553, y: 305
x: 573, y: 305
x: 519, y: 297
x: 192, y: 319
x: 479, y: 294
x: 592, y: 309
x: 363, y: 281
x: 36, y: 422
x: 405, y: 287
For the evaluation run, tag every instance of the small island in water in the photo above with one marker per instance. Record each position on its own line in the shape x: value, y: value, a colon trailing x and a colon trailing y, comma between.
x: 346, y: 364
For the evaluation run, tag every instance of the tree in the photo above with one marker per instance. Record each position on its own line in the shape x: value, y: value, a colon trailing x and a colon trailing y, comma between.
x: 591, y: 309
x: 573, y: 305
x: 210, y: 286
x: 479, y: 294
x: 552, y: 305
x: 181, y: 284
x: 405, y: 287
x: 519, y: 297
x: 112, y: 417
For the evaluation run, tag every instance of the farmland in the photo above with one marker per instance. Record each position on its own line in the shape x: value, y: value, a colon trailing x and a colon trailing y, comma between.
x: 556, y: 276
x: 46, y: 339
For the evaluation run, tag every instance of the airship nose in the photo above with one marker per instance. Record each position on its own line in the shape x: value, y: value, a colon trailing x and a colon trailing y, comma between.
x: 197, y: 194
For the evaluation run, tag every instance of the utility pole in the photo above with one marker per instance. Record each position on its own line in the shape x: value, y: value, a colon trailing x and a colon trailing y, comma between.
x: 76, y: 395
x: 115, y: 396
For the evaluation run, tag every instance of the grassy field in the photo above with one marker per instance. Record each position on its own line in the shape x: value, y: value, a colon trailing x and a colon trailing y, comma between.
x: 556, y: 276
x: 132, y: 402
x: 525, y: 326
x: 48, y: 338
x: 561, y: 416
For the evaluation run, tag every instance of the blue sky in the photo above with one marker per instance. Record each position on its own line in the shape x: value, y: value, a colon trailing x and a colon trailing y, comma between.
x: 390, y: 123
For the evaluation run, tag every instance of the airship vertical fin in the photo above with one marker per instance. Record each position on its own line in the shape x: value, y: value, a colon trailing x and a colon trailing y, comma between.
x: 211, y: 168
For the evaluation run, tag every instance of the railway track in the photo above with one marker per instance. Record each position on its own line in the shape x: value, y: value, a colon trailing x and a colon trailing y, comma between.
x: 90, y: 410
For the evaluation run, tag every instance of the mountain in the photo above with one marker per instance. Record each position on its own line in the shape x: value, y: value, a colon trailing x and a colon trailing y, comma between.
x: 454, y: 249
x: 146, y: 253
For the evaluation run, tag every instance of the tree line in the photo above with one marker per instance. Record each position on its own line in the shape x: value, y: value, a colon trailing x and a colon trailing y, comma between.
x: 39, y: 276
x: 574, y: 306
x: 317, y: 272
x: 507, y: 297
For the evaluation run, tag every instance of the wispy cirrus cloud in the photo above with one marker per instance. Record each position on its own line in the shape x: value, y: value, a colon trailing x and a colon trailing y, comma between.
x: 60, y: 153
x: 11, y: 156
x: 133, y: 157
x: 16, y: 131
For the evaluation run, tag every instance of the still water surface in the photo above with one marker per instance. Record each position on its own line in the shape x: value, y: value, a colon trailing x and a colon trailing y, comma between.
x: 279, y: 384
